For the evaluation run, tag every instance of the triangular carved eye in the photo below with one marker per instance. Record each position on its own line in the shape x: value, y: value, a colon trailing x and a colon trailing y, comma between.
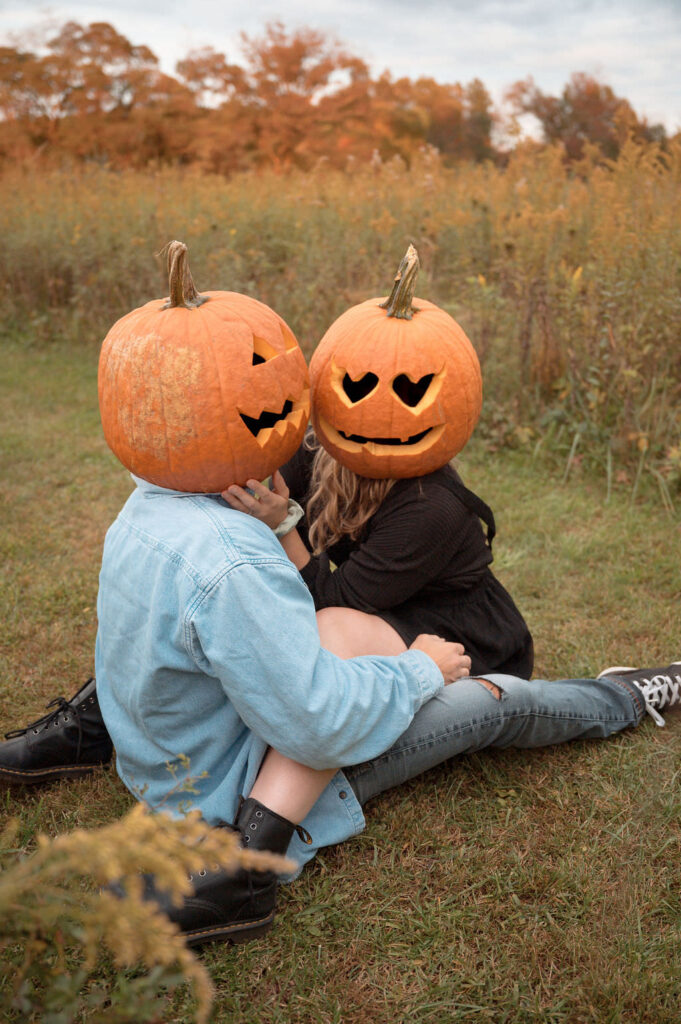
x: 409, y: 392
x: 262, y: 350
x: 356, y: 390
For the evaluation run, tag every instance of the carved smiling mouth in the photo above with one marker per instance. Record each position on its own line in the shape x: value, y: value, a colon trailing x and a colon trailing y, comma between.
x: 381, y: 446
x: 262, y: 426
x: 358, y: 439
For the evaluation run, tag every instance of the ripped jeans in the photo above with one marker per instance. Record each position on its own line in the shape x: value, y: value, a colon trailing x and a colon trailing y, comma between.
x: 467, y: 716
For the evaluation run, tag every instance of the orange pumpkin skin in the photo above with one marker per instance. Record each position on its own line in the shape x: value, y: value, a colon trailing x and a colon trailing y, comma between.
x: 366, y: 341
x: 174, y: 383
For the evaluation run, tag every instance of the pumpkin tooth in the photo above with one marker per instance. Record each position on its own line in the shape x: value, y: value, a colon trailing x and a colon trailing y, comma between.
x: 263, y: 436
x: 297, y: 416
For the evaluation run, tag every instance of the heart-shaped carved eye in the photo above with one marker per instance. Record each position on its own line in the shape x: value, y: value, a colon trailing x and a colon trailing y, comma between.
x: 411, y: 392
x: 356, y: 390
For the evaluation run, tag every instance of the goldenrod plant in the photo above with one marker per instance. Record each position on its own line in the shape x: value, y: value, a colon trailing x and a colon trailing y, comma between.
x: 564, y: 276
x: 59, y: 922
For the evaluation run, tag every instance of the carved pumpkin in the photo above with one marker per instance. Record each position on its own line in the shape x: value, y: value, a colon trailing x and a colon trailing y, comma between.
x: 197, y: 392
x: 396, y: 387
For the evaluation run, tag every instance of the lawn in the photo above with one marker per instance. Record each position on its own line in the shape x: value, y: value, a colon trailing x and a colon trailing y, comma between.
x: 537, y: 886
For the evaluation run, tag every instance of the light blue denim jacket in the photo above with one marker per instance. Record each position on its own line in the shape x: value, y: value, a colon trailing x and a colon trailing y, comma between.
x: 208, y: 647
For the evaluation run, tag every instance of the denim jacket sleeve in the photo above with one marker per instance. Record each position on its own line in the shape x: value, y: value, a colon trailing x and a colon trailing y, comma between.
x: 255, y: 630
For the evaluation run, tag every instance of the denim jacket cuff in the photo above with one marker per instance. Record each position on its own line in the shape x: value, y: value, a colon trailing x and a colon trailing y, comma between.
x: 428, y: 676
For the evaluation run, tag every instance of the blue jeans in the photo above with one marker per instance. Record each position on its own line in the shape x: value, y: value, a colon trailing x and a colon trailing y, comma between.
x: 466, y: 716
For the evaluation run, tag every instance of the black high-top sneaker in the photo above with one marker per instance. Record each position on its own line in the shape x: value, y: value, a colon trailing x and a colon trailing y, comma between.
x: 236, y: 906
x: 69, y: 741
x: 661, y: 687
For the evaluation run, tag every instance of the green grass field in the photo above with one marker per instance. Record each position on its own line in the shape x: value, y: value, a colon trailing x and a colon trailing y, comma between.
x: 518, y: 887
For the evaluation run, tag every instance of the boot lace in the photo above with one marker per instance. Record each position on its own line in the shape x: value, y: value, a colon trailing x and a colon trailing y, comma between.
x: 63, y: 710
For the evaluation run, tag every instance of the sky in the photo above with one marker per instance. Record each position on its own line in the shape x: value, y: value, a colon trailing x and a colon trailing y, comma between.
x: 632, y: 45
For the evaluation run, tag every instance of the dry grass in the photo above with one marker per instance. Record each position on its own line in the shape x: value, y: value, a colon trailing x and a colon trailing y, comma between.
x: 565, y: 279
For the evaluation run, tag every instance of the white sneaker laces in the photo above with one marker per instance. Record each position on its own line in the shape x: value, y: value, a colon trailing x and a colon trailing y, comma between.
x: 661, y: 691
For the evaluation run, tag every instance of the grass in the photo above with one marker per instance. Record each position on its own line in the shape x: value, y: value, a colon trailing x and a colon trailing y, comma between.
x: 520, y: 887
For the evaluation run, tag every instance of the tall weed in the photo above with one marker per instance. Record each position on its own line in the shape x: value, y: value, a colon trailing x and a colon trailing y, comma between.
x: 568, y: 280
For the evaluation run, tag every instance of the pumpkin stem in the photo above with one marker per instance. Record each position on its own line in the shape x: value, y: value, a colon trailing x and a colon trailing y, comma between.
x: 180, y: 282
x: 399, y: 302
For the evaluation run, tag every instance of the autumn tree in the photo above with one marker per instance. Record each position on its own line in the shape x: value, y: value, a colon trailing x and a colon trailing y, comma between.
x: 457, y: 120
x: 443, y: 107
x: 586, y: 111
x: 209, y: 77
x: 479, y: 121
x: 91, y: 92
x: 290, y: 99
x: 86, y: 69
x: 285, y: 105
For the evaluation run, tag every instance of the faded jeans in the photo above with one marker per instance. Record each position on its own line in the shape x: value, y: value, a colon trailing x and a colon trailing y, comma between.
x: 466, y: 717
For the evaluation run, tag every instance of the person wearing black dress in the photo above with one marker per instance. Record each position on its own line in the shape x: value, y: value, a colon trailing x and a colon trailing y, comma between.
x: 411, y: 552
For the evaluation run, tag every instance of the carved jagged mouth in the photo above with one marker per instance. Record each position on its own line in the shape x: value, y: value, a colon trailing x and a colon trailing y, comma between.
x: 266, y: 419
x: 292, y: 412
x: 358, y: 439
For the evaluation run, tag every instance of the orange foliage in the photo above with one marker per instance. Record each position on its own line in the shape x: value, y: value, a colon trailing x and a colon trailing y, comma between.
x: 296, y: 98
x: 586, y: 112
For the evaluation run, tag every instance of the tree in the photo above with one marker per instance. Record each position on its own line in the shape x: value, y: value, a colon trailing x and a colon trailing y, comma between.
x: 82, y: 95
x: 86, y: 69
x: 209, y: 76
x: 291, y: 99
x: 479, y: 121
x: 289, y: 104
x: 586, y: 111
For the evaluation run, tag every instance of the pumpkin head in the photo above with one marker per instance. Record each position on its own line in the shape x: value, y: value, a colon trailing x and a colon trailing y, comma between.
x: 197, y: 392
x: 396, y: 387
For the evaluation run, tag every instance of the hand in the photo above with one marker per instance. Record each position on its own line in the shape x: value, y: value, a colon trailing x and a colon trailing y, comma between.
x: 269, y: 506
x: 448, y: 657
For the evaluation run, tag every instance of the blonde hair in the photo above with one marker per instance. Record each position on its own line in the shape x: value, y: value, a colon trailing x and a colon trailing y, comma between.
x: 340, y: 502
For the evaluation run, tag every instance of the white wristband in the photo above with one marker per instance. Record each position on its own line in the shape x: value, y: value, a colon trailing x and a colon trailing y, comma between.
x: 294, y: 515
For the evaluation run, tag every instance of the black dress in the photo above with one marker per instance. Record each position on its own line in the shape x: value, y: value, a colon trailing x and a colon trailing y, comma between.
x: 422, y: 565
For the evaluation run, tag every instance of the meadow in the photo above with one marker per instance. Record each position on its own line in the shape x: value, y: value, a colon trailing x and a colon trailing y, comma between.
x: 566, y: 278
x: 518, y: 887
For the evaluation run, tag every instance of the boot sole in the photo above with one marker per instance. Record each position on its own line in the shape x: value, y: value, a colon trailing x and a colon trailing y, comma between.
x: 234, y: 933
x: 17, y: 777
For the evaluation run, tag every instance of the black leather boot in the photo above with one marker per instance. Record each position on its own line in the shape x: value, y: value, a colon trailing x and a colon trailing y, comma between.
x: 239, y: 906
x: 71, y: 740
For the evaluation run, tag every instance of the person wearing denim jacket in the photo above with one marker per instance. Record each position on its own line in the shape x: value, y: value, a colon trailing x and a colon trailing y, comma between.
x: 208, y: 648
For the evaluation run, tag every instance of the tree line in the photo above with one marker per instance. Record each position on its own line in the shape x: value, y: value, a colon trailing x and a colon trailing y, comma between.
x: 294, y: 98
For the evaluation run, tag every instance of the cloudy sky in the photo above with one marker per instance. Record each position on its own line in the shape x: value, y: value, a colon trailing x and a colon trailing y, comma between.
x: 632, y: 45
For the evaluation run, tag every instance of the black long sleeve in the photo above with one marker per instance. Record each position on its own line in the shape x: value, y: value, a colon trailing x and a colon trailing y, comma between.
x: 421, y: 538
